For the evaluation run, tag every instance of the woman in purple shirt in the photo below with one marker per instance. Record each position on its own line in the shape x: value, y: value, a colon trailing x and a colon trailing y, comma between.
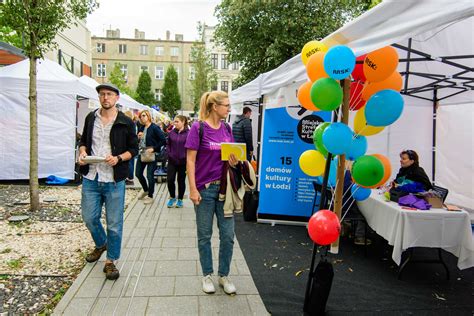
x: 177, y: 160
x: 204, y: 167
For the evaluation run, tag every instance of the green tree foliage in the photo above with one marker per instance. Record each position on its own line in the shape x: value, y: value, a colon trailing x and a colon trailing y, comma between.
x: 143, y: 94
x: 40, y: 21
x: 263, y: 34
x: 8, y: 34
x: 117, y: 77
x: 204, y: 75
x: 171, y: 97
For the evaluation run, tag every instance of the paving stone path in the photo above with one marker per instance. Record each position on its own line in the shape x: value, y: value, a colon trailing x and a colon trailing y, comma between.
x: 160, y: 271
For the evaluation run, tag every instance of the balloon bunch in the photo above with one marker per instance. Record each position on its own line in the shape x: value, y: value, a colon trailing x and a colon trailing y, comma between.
x: 374, y: 96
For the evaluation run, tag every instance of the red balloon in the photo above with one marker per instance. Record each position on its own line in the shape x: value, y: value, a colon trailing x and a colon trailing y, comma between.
x: 355, y: 99
x: 358, y: 72
x: 324, y: 227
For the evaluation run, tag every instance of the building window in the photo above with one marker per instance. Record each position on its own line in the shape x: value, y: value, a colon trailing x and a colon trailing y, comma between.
x: 225, y: 86
x: 159, y: 50
x: 174, y: 51
x: 192, y: 73
x: 143, y: 68
x: 235, y: 66
x: 143, y: 49
x: 158, y: 94
x: 122, y: 48
x: 224, y: 62
x: 101, y: 47
x: 215, y: 61
x: 214, y: 86
x: 124, y: 70
x: 159, y: 72
x: 101, y: 70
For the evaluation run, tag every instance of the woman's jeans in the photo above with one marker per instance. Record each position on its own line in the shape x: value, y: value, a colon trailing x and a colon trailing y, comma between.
x: 150, y: 170
x: 171, y: 175
x: 131, y: 167
x: 94, y: 195
x: 205, y: 211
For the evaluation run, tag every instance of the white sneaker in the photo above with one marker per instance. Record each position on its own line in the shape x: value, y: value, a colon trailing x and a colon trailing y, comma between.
x: 147, y: 200
x: 227, y: 285
x: 208, y: 284
x: 142, y: 195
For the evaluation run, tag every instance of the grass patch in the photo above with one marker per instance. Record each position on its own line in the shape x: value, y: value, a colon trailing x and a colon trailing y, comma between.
x: 15, y: 263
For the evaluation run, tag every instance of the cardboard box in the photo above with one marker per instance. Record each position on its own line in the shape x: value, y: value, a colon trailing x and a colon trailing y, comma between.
x: 434, y: 201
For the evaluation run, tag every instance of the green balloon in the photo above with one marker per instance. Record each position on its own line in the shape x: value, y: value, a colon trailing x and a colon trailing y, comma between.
x: 318, y: 138
x: 367, y: 171
x: 326, y: 94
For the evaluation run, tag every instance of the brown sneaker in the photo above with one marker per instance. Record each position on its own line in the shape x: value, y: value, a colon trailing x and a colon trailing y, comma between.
x: 111, y: 272
x: 95, y: 255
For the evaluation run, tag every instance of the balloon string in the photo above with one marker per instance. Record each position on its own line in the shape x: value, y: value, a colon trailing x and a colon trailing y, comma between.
x: 360, y: 132
x: 347, y: 211
x: 355, y: 97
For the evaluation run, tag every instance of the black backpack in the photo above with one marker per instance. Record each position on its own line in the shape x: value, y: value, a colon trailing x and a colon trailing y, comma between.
x: 201, y: 130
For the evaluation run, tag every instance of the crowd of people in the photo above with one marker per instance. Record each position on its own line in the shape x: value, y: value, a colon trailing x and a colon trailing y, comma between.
x: 124, y: 146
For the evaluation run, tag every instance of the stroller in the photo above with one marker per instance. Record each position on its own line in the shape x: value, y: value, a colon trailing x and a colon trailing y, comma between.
x: 161, y: 160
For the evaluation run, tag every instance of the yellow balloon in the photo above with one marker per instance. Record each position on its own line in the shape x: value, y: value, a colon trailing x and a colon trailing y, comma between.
x: 312, y: 162
x: 361, y: 127
x: 311, y: 48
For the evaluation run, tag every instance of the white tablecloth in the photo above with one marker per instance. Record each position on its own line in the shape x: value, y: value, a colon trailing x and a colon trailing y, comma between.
x: 436, y: 228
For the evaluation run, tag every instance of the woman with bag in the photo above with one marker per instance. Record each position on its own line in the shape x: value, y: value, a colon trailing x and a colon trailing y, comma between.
x: 177, y: 160
x: 204, y: 166
x: 151, y: 138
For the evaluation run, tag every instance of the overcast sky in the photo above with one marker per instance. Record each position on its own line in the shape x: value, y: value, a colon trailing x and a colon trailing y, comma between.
x: 154, y: 17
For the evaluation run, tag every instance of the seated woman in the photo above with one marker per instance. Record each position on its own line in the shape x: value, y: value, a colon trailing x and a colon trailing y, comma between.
x: 411, y: 171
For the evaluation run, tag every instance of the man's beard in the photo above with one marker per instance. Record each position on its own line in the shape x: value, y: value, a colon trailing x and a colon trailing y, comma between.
x: 107, y: 106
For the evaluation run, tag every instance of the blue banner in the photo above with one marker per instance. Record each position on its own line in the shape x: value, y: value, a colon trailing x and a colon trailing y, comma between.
x: 284, y: 188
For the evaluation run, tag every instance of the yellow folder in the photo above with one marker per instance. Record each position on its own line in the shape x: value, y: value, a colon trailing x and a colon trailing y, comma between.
x: 238, y: 149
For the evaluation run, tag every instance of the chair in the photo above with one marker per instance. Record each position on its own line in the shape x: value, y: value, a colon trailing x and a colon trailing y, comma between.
x: 443, y: 192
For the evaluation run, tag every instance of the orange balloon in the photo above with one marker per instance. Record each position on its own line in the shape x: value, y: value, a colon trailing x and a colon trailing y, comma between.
x: 380, y: 64
x: 394, y: 82
x: 305, y: 98
x: 315, y: 66
x: 387, y: 167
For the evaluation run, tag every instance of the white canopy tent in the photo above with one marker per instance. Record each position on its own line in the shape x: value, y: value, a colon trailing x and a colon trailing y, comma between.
x: 439, y: 31
x: 57, y: 91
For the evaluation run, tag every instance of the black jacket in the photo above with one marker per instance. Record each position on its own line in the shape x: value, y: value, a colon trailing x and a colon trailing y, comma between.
x: 242, y: 131
x: 417, y: 174
x: 122, y: 139
x: 155, y: 137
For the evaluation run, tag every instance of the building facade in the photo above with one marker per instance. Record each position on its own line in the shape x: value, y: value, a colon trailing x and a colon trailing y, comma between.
x: 139, y: 54
x: 73, y: 51
x: 226, y: 72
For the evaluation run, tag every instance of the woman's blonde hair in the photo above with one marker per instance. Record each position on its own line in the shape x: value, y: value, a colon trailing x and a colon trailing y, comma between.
x: 147, y: 113
x: 208, y: 99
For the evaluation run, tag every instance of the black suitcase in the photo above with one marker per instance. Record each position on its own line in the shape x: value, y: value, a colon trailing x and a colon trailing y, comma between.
x: 320, y: 288
x: 250, y: 206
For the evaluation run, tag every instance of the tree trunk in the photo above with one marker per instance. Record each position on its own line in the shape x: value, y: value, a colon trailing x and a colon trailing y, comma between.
x: 34, y: 186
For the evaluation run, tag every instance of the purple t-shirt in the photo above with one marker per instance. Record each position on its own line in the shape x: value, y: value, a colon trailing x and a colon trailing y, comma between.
x: 208, y: 159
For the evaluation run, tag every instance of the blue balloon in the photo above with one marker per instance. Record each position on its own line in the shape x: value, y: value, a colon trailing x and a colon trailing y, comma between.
x: 360, y: 193
x: 337, y: 138
x: 357, y: 147
x: 384, y: 108
x: 339, y: 62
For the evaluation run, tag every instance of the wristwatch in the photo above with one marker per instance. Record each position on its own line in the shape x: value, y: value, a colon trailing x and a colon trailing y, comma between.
x: 119, y: 159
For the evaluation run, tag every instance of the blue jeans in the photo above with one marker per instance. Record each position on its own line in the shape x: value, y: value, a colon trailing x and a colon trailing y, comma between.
x: 94, y: 195
x: 150, y: 176
x: 205, y: 211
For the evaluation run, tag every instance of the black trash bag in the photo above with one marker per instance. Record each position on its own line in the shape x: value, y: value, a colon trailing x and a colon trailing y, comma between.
x: 320, y: 288
x: 250, y: 206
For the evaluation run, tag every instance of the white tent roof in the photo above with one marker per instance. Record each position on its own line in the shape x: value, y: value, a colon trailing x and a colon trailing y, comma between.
x: 51, y: 78
x: 387, y: 23
x: 125, y: 100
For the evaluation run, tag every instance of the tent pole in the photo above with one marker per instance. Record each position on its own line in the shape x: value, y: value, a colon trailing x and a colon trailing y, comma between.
x: 433, y: 151
x: 341, y: 162
x: 405, y: 88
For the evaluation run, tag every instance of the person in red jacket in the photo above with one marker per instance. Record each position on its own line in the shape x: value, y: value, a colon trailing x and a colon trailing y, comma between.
x: 177, y: 160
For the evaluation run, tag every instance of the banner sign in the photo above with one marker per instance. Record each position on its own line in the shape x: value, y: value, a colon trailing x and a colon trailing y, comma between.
x: 286, y: 193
